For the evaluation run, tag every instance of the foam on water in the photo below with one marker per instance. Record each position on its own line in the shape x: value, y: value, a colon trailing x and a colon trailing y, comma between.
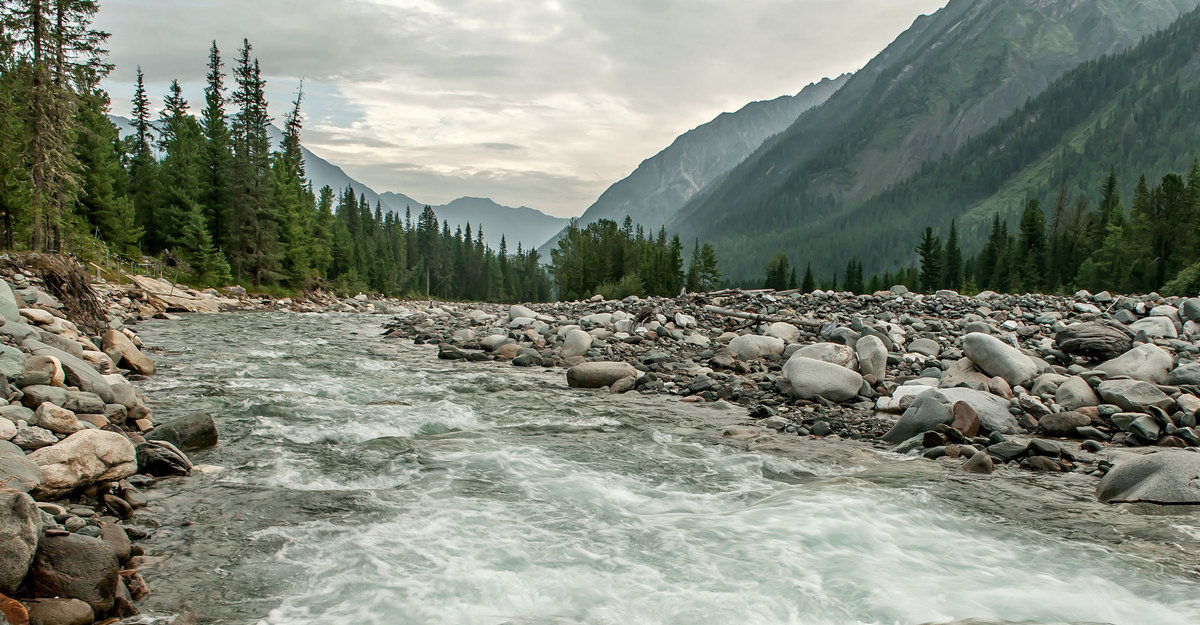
x: 362, y: 489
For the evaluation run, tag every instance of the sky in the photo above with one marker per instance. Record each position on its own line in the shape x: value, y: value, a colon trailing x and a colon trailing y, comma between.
x: 540, y: 103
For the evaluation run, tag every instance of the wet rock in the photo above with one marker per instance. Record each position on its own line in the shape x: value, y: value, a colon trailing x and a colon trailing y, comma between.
x: 162, y: 459
x: 1134, y: 395
x: 599, y: 374
x: 82, y: 459
x: 1094, y: 340
x: 1041, y: 463
x: 446, y: 351
x: 1164, y: 477
x: 124, y: 353
x: 979, y: 463
x: 195, y: 431
x: 811, y: 378
x: 1007, y: 451
x: 1063, y: 424
x: 997, y: 358
x: 926, y: 412
x: 20, y: 525
x: 966, y: 420
x: 75, y: 566
x: 1147, y: 362
x: 60, y: 611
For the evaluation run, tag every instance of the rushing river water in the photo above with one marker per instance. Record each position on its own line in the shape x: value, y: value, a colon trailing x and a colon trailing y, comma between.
x: 361, y: 481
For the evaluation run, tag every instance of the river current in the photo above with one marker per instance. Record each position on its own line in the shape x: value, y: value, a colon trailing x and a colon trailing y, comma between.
x: 361, y: 481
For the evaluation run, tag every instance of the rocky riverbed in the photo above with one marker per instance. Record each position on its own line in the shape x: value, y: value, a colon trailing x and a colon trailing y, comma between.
x: 79, y: 443
x: 1095, y: 384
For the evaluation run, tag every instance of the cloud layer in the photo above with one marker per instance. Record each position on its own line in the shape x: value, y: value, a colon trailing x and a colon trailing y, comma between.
x: 531, y: 102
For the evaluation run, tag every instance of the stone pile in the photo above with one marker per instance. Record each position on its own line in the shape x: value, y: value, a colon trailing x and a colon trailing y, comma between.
x: 1041, y: 382
x: 78, y: 448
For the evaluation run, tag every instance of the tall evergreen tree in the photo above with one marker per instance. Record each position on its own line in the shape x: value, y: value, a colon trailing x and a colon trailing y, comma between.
x: 1031, y: 255
x: 216, y: 158
x: 252, y: 238
x: 143, y: 171
x: 952, y: 275
x: 809, y: 283
x: 932, y: 264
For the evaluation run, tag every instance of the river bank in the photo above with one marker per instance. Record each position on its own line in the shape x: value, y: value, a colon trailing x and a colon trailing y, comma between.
x: 80, y: 446
x: 1015, y: 382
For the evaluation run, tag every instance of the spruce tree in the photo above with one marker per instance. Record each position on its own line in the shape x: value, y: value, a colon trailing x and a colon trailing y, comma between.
x: 932, y: 264
x: 952, y: 275
x: 179, y: 171
x: 809, y: 283
x: 143, y: 170
x: 252, y: 233
x: 216, y: 158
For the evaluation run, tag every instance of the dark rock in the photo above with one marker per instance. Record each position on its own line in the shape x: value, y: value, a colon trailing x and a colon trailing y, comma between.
x: 160, y: 458
x: 1041, y: 463
x: 979, y: 463
x: 195, y: 431
x: 966, y: 420
x: 75, y: 566
x: 1063, y: 423
x: 447, y: 351
x: 20, y: 524
x: 1038, y: 447
x: 1094, y: 340
x: 1092, y: 446
x: 932, y: 439
x: 1006, y: 450
x: 60, y: 611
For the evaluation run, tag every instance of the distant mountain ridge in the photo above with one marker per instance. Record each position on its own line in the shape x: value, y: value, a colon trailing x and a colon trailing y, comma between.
x: 948, y: 78
x: 663, y: 183
x: 525, y: 225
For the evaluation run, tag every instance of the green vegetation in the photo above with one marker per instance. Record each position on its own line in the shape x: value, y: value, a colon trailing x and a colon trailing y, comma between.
x: 210, y: 196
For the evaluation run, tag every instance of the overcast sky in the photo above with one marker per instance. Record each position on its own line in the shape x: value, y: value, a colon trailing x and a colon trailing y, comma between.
x: 542, y: 103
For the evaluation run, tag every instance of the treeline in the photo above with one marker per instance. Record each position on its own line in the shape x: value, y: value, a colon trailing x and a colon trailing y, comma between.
x: 619, y: 261
x: 210, y: 195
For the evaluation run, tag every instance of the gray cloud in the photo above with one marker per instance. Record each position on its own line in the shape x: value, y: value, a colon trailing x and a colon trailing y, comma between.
x: 547, y: 101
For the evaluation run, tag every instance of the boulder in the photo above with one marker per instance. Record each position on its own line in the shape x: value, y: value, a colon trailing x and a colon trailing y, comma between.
x: 31, y: 437
x: 1155, y: 327
x: 925, y: 347
x: 516, y: 312
x: 1147, y: 362
x: 8, y: 430
x: 10, y: 310
x: 82, y: 459
x: 1134, y: 395
x: 751, y: 346
x: 929, y: 410
x: 872, y: 356
x: 811, y: 377
x: 75, y: 566
x: 1076, y: 393
x: 463, y: 335
x: 1186, y: 373
x: 79, y: 373
x: 833, y: 353
x: 1095, y: 340
x: 195, y: 431
x: 48, y: 365
x: 1191, y: 309
x: 993, y: 411
x: 60, y: 611
x: 20, y: 526
x: 160, y: 459
x: 1063, y: 424
x: 492, y: 341
x: 1164, y: 477
x: 599, y: 374
x: 784, y: 331
x: 997, y: 358
x: 576, y: 343
x: 12, y: 361
x: 37, y: 394
x: 56, y: 419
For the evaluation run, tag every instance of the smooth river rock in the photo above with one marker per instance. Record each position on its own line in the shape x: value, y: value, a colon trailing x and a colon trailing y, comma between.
x: 1146, y: 362
x: 997, y: 358
x: 834, y: 353
x: 75, y: 566
x: 20, y: 525
x: 599, y: 374
x: 1163, y: 477
x: 194, y: 431
x: 872, y: 356
x: 811, y: 377
x: 1134, y: 395
x: 576, y: 343
x: 1076, y: 393
x: 751, y: 346
x: 84, y: 458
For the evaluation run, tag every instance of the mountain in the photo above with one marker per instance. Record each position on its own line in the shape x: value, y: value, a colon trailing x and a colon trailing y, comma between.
x: 663, y: 183
x: 525, y: 225
x: 521, y: 225
x: 1134, y: 112
x: 948, y: 78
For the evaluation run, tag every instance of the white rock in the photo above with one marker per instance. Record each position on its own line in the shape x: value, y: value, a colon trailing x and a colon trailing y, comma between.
x: 520, y: 311
x: 872, y: 356
x: 684, y: 321
x: 753, y: 346
x: 785, y: 331
x: 1155, y: 327
x: 811, y: 377
x: 996, y: 358
x: 1146, y: 362
x: 8, y: 429
x: 834, y: 353
x: 699, y: 340
x: 577, y: 343
x: 84, y: 458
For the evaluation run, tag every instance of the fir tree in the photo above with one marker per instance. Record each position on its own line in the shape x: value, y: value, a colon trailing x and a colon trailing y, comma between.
x: 932, y: 264
x: 952, y: 275
x: 809, y: 283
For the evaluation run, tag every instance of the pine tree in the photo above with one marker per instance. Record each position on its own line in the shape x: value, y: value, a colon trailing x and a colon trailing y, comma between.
x: 777, y: 272
x: 143, y: 171
x: 809, y: 283
x: 178, y: 172
x: 952, y: 275
x: 102, y: 199
x: 292, y: 203
x: 932, y: 264
x: 216, y: 158
x: 854, y: 277
x: 253, y: 241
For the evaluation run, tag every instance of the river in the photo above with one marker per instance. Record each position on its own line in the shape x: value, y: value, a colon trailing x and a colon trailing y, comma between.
x: 361, y: 481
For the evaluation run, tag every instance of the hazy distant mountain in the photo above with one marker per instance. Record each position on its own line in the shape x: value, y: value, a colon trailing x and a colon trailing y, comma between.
x: 522, y: 224
x: 663, y: 183
x: 526, y: 225
x: 948, y: 78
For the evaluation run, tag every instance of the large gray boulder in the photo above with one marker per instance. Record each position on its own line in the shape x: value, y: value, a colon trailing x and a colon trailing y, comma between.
x: 82, y: 459
x: 12, y: 361
x: 927, y: 411
x: 1096, y: 340
x: 1191, y: 309
x: 1186, y: 373
x: 1155, y: 327
x: 10, y: 310
x: 993, y: 411
x: 1134, y: 395
x: 75, y: 566
x: 599, y: 374
x: 784, y: 331
x: 834, y: 353
x: 20, y: 525
x: 518, y: 311
x: 1076, y: 393
x: 872, y: 357
x: 1163, y: 477
x: 17, y: 471
x: 997, y: 358
x: 576, y: 343
x: 811, y: 377
x: 79, y: 372
x: 1146, y: 362
x: 751, y: 346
